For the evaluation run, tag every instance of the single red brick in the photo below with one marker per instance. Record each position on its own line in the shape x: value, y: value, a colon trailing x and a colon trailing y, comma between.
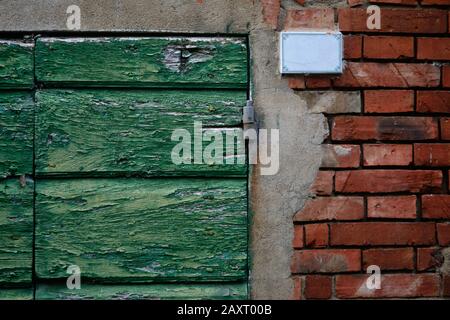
x: 375, y: 181
x: 318, y: 287
x: 375, y: 74
x: 326, y: 261
x: 398, y: 207
x: 433, y: 48
x: 316, y: 235
x: 395, y: 20
x: 400, y: 2
x: 392, y: 286
x: 446, y: 285
x: 352, y: 47
x: 353, y: 3
x: 436, y: 206
x: 389, y: 259
x: 386, y: 101
x: 433, y: 101
x: 446, y: 76
x: 322, y: 18
x: 445, y: 128
x: 340, y: 156
x: 386, y: 47
x: 345, y: 128
x: 271, y: 11
x: 428, y: 259
x: 317, y: 82
x: 435, y: 2
x: 296, y: 82
x: 331, y: 208
x: 443, y: 231
x: 298, y: 241
x: 382, y: 233
x: 323, y: 185
x: 298, y: 290
x: 387, y: 154
x: 434, y: 155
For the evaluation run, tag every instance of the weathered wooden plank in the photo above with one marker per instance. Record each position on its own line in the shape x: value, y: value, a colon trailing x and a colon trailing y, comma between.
x: 141, y: 230
x: 150, y: 62
x: 16, y: 64
x: 107, y: 132
x: 16, y: 231
x: 225, y: 291
x: 16, y: 133
x: 16, y: 293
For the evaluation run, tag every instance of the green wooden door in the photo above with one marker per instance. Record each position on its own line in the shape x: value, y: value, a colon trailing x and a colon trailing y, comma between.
x: 87, y: 177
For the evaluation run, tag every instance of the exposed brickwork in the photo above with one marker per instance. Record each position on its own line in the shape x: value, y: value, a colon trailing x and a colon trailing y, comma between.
x: 382, y: 195
x: 316, y: 235
x: 445, y: 128
x: 388, y: 101
x: 394, y: 75
x: 402, y: 2
x: 326, y: 261
x: 389, y: 259
x: 386, y: 47
x: 352, y: 47
x: 395, y: 20
x: 341, y: 156
x: 271, y: 11
x: 318, y: 287
x: 387, y: 154
x: 428, y: 259
x: 393, y: 286
x: 393, y: 207
x: 433, y: 101
x: 348, y: 128
x: 317, y: 18
x: 332, y: 208
x: 433, y: 48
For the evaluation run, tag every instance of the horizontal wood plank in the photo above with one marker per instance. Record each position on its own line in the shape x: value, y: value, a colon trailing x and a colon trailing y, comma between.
x: 16, y: 64
x: 142, y: 230
x: 16, y: 293
x: 107, y: 132
x: 16, y: 133
x: 16, y: 231
x: 226, y: 291
x: 149, y: 62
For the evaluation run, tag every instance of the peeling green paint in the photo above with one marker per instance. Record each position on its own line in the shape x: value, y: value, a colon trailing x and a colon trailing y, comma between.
x: 140, y: 230
x: 16, y: 133
x: 104, y: 132
x: 16, y: 231
x: 226, y: 291
x: 149, y: 62
x: 16, y: 64
x: 133, y: 238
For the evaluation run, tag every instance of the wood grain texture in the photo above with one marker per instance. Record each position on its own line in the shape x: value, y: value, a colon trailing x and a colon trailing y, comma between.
x: 150, y: 62
x: 16, y: 293
x: 107, y: 132
x: 226, y: 291
x: 16, y: 64
x: 16, y: 133
x: 142, y: 230
x: 16, y: 231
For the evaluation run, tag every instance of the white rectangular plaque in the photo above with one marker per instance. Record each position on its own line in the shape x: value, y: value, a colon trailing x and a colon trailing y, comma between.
x: 311, y: 52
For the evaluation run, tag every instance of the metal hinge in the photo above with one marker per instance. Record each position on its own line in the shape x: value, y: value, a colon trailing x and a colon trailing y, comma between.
x: 248, y: 116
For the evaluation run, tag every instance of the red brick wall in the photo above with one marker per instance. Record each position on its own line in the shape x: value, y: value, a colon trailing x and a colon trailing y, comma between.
x: 384, y: 199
